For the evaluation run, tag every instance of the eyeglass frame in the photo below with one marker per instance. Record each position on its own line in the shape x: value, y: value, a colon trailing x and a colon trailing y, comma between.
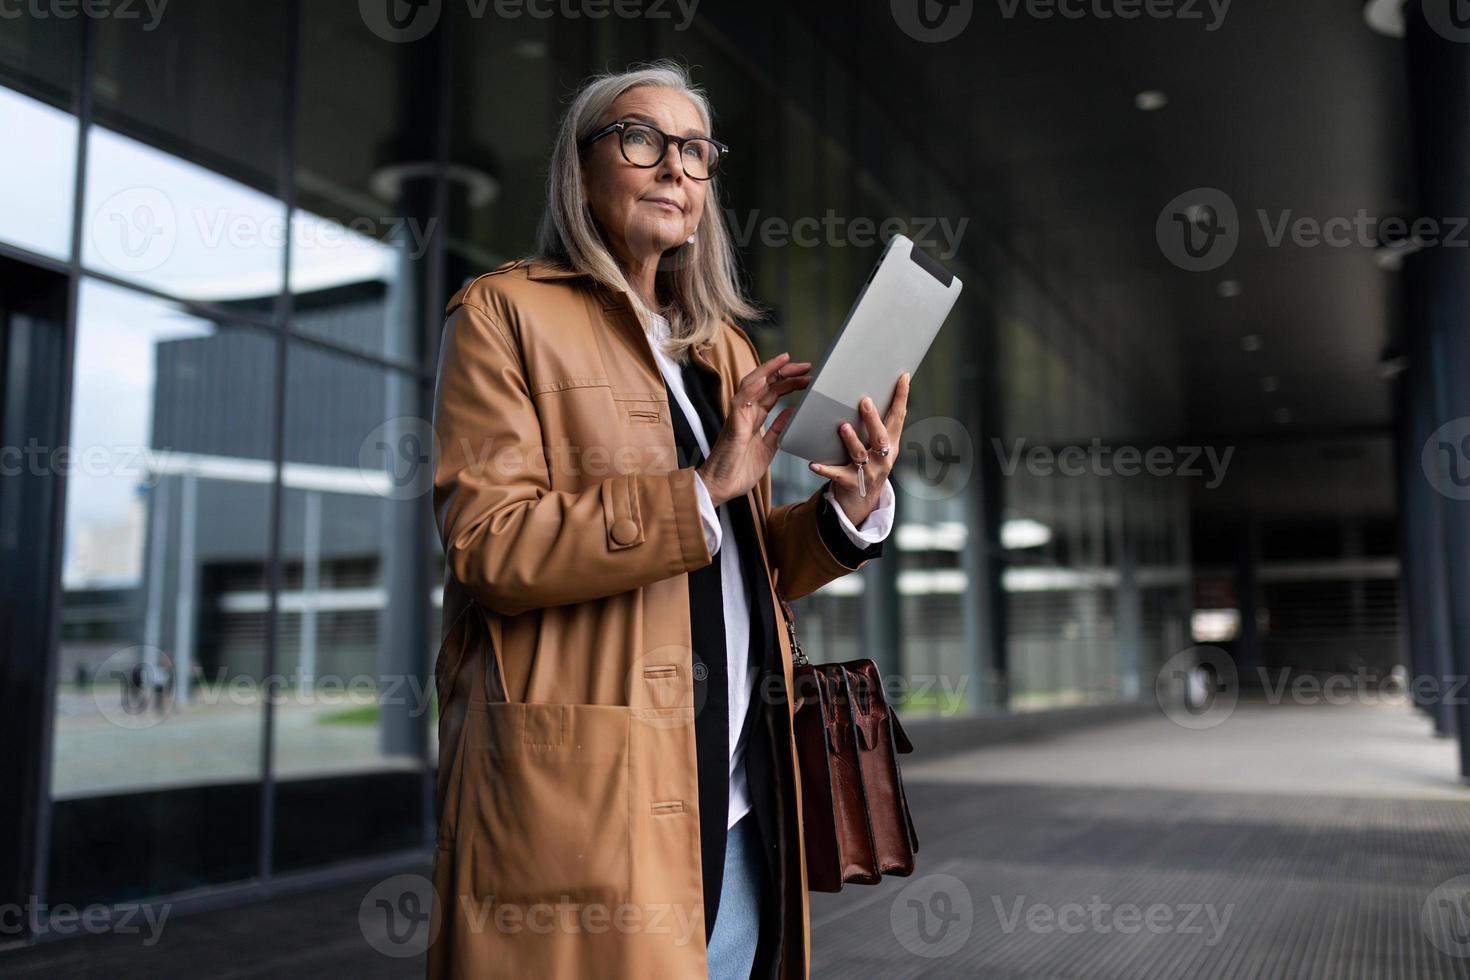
x: 620, y: 125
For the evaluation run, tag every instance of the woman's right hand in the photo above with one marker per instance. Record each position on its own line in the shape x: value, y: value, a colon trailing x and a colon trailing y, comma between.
x: 742, y: 453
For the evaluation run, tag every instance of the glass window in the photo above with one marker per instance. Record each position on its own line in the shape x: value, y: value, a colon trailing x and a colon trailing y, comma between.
x: 354, y: 703
x: 365, y: 183
x: 184, y: 162
x: 38, y: 173
x: 168, y: 516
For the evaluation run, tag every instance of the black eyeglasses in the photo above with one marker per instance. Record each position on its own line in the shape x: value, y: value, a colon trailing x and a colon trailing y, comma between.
x: 644, y: 146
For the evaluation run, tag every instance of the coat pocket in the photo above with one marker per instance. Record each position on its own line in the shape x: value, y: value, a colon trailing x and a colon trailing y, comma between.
x: 551, y: 802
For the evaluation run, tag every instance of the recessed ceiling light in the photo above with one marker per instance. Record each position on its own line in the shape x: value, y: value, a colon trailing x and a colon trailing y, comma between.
x: 1229, y: 288
x: 1150, y: 100
x: 1270, y: 383
x: 1282, y: 416
x: 1252, y: 342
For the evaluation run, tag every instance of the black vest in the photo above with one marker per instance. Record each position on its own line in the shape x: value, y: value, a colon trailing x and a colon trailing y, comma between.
x: 711, y: 687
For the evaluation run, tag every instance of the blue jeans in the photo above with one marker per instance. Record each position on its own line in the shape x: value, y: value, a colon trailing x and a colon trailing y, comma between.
x: 738, y: 919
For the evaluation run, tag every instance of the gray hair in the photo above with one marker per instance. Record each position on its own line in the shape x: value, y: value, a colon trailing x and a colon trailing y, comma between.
x: 698, y: 281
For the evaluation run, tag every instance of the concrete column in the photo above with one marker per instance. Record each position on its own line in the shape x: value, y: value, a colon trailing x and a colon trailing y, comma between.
x: 1439, y: 96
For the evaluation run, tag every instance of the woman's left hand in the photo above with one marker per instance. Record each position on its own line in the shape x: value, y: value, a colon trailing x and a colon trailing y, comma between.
x: 883, y: 438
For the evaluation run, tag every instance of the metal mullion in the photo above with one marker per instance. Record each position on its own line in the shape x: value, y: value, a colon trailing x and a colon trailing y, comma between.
x: 283, y: 310
x: 82, y: 102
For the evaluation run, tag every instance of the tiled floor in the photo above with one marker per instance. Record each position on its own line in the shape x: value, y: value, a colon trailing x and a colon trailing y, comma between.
x: 1287, y: 842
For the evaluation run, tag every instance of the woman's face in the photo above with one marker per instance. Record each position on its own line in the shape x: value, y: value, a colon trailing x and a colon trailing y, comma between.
x: 623, y: 196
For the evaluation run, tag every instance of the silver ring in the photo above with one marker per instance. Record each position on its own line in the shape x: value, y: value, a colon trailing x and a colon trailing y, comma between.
x: 883, y: 451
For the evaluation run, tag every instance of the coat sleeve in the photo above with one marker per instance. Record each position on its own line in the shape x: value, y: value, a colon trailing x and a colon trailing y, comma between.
x: 807, y: 545
x: 508, y: 537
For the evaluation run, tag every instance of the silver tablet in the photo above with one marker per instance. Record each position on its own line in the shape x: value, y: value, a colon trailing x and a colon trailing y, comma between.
x: 888, y: 331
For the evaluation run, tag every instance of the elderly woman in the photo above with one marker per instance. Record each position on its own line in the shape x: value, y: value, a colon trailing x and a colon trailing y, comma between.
x: 618, y: 791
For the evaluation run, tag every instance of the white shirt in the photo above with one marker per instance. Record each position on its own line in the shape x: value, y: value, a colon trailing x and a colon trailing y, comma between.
x: 717, y: 526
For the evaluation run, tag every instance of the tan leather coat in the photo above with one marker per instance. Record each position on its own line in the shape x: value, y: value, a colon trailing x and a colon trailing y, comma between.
x: 568, y: 841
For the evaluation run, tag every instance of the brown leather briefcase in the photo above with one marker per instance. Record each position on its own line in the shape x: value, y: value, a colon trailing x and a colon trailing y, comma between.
x: 855, y: 815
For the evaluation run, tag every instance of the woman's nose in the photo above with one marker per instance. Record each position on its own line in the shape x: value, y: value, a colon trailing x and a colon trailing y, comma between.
x: 677, y: 171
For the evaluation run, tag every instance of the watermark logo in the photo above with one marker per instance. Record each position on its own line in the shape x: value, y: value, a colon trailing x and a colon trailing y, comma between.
x: 1445, y: 917
x: 932, y: 21
x: 1446, y: 459
x: 134, y: 687
x: 396, y: 460
x: 1210, y: 12
x: 1199, y: 230
x: 136, y: 229
x: 936, y: 458
x: 1105, y: 918
x: 150, y: 12
x: 398, y: 916
x: 400, y: 21
x: 1450, y: 19
x: 1198, y: 688
x: 933, y: 916
x: 34, y: 916
x: 1097, y: 459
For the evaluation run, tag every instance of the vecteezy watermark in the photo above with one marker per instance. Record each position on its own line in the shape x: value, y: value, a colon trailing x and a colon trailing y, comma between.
x: 1211, y: 13
x: 139, y: 229
x: 1446, y: 459
x: 1097, y: 459
x: 134, y: 687
x: 936, y: 21
x: 1200, y: 230
x: 1198, y: 688
x: 405, y: 21
x: 933, y: 916
x: 833, y: 230
x: 395, y: 459
x: 566, y: 916
x: 139, y: 687
x: 398, y: 916
x: 150, y: 12
x: 145, y: 464
x: 932, y: 21
x: 1360, y: 687
x: 1450, y: 19
x: 1445, y: 917
x: 126, y: 919
x: 936, y: 458
x: 1102, y: 918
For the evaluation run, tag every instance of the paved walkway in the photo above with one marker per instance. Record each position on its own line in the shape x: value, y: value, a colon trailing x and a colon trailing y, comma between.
x: 1287, y: 842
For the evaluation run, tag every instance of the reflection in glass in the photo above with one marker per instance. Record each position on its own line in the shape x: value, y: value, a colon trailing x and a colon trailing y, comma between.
x: 356, y: 471
x: 37, y: 175
x: 167, y: 517
x: 154, y: 218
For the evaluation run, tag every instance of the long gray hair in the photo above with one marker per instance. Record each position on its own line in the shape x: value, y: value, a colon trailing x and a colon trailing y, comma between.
x: 698, y: 282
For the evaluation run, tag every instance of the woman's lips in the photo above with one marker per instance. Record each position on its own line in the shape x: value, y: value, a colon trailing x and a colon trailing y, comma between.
x: 664, y: 204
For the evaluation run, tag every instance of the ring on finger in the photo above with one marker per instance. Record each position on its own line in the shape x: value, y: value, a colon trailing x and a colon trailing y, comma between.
x: 884, y: 450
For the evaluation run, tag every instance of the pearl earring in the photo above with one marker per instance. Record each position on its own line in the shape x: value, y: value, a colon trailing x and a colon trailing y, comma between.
x: 689, y: 240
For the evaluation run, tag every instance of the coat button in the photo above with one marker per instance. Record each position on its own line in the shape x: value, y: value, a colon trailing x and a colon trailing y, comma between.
x: 624, y: 531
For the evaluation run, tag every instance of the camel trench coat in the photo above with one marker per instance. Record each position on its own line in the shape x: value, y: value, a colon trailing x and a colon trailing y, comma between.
x: 568, y: 835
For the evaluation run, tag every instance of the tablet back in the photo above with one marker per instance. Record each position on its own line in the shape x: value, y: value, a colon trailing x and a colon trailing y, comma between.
x: 888, y: 331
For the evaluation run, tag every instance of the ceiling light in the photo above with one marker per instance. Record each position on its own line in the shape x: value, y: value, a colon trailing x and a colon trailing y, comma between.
x: 1269, y: 383
x: 1252, y: 342
x: 1385, y: 17
x: 1229, y: 288
x: 1150, y: 100
x: 1023, y: 532
x: 1282, y: 416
